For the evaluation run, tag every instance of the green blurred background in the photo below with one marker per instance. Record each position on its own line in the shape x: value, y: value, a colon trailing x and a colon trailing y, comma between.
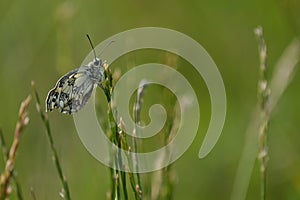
x: 42, y: 40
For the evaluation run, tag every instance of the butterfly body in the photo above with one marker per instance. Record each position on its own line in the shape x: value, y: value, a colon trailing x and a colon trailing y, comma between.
x: 73, y: 90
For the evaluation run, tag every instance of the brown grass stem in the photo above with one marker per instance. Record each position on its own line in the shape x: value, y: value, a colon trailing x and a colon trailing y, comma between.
x: 5, y: 156
x: 8, y: 174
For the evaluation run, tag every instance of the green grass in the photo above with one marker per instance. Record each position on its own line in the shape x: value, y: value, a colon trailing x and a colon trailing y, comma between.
x: 43, y: 41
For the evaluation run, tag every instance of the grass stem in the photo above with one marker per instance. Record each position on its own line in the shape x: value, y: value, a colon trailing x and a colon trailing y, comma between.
x: 45, y: 119
x: 137, y: 119
x: 118, y: 137
x: 283, y: 74
x: 8, y: 173
x: 263, y: 97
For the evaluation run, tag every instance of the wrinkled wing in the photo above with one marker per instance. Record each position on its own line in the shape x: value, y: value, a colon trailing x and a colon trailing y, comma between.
x: 71, y: 92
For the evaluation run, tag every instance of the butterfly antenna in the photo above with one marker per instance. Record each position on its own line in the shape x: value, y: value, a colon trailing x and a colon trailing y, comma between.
x: 87, y: 35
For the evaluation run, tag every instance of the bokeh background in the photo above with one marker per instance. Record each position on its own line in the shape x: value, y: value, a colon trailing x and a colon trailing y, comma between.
x: 42, y: 40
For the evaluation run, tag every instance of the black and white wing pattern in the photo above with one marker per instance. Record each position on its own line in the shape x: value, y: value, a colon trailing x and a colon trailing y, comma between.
x: 73, y: 90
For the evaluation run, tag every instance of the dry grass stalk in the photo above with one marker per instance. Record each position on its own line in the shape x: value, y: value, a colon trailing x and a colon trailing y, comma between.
x: 7, y: 175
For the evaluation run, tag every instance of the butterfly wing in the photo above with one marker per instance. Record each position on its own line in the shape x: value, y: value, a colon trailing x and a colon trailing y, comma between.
x: 72, y: 91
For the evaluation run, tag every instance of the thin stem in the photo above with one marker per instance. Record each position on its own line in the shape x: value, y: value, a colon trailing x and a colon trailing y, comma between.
x: 137, y: 112
x: 45, y: 119
x: 18, y: 187
x: 123, y: 174
x: 129, y: 160
x: 283, y: 74
x: 118, y: 174
x: 5, y: 157
x: 33, y: 194
x: 163, y: 180
x: 137, y: 118
x: 113, y: 185
x: 263, y: 97
x: 3, y: 146
x: 11, y: 158
x: 118, y: 137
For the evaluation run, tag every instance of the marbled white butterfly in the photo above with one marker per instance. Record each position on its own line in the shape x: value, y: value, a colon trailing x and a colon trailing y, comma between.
x: 74, y: 89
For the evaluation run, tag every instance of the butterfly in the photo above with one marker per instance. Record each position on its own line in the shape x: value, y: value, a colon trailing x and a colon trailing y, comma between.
x: 73, y: 90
